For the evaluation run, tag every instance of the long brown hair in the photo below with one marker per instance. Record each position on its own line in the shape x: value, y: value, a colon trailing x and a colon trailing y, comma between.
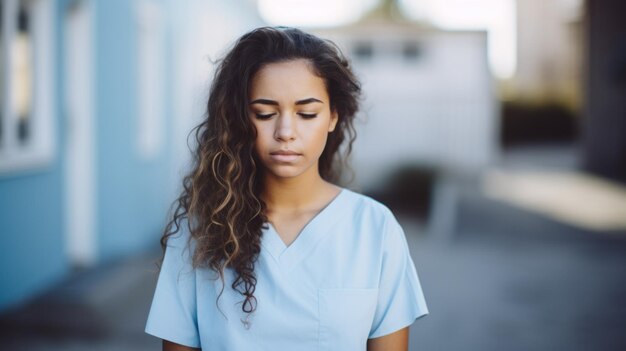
x: 220, y: 199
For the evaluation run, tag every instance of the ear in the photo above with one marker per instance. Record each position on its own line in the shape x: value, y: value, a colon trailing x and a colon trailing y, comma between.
x: 334, y: 118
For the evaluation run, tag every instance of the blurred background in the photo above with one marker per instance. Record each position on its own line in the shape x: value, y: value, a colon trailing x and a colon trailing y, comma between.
x: 495, y: 129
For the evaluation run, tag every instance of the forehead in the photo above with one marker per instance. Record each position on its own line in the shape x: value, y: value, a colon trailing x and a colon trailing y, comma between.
x: 288, y: 81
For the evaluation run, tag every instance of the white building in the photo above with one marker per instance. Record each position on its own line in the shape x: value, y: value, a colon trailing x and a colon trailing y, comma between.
x: 429, y: 96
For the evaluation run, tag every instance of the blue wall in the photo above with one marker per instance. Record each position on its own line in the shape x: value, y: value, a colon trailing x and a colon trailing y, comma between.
x: 133, y: 194
x: 32, y: 252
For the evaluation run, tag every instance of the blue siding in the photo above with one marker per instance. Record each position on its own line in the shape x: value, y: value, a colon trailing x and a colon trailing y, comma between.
x: 32, y: 254
x: 32, y: 251
x: 133, y: 194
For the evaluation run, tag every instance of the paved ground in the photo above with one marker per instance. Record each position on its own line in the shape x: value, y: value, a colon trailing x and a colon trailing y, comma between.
x: 100, y: 309
x: 510, y: 280
x: 503, y: 279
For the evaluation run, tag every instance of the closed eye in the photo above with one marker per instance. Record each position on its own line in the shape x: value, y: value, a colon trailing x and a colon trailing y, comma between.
x: 268, y: 116
x: 261, y: 116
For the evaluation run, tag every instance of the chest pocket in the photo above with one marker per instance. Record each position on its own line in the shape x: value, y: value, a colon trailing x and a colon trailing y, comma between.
x: 346, y: 316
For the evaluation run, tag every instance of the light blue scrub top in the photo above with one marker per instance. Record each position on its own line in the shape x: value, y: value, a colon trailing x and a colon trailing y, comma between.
x: 347, y: 277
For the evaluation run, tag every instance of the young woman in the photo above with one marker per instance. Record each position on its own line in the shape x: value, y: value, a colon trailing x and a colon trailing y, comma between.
x: 267, y: 252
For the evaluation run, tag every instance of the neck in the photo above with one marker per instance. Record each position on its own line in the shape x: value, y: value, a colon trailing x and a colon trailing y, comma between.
x: 293, y: 194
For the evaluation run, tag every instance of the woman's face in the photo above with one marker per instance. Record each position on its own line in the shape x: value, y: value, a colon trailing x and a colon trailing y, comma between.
x: 289, y: 106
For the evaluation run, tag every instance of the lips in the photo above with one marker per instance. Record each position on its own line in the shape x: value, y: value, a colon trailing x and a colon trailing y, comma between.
x: 285, y: 152
x: 285, y: 156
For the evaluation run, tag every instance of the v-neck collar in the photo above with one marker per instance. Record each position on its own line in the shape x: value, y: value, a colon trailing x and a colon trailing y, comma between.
x: 311, y: 233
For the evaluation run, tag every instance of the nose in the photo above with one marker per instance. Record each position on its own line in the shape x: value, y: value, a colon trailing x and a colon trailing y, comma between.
x: 285, y: 127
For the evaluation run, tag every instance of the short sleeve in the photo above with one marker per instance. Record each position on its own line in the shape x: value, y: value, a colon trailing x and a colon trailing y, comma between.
x: 400, y: 299
x: 173, y: 315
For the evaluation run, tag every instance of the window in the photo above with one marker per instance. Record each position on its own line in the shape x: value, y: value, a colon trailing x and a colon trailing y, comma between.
x: 26, y: 95
x: 22, y: 67
x: 2, y: 79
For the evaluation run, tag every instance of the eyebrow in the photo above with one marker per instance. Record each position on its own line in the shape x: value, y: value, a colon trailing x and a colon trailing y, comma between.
x: 275, y: 103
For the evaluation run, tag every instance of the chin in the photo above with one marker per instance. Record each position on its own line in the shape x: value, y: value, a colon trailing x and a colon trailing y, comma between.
x: 284, y: 171
x: 285, y: 174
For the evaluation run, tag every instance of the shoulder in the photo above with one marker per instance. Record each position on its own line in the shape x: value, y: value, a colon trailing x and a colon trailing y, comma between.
x: 180, y: 241
x: 366, y: 203
x: 366, y: 208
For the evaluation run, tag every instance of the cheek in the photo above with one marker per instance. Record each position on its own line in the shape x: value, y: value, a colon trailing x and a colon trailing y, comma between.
x: 319, y: 136
x: 261, y: 134
x: 260, y: 144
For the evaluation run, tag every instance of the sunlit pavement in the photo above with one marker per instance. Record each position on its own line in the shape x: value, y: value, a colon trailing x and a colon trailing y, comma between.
x: 501, y: 279
x: 512, y: 280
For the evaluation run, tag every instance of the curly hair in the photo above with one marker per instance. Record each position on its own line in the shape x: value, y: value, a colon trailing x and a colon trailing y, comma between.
x: 220, y: 200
